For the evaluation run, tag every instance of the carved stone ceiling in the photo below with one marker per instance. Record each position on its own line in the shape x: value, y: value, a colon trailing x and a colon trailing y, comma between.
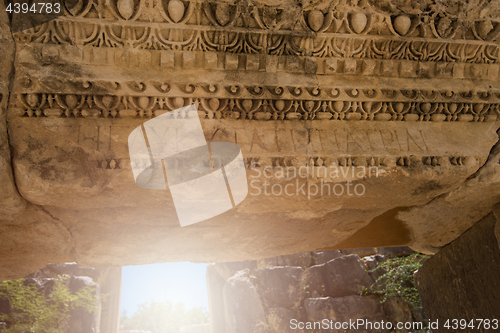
x: 410, y: 88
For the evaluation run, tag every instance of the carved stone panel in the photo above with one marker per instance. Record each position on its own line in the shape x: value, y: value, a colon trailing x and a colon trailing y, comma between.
x: 399, y: 100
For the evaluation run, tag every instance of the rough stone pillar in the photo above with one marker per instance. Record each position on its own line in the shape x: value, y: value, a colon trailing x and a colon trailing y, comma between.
x: 44, y: 232
x: 462, y: 280
x: 215, y: 284
x: 110, y: 282
x: 244, y: 311
x: 11, y: 203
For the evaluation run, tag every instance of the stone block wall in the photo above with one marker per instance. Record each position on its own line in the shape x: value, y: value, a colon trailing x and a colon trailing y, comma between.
x: 273, y: 294
x: 462, y: 281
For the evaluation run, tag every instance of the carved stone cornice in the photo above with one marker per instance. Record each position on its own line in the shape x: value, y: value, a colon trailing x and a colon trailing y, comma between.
x: 256, y: 60
x: 141, y: 100
x: 280, y: 27
x: 430, y: 66
x: 326, y: 32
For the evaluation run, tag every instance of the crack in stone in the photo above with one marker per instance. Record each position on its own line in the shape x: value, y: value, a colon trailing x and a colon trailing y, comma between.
x: 6, y: 102
x: 493, y: 157
x: 494, y: 153
x: 73, y: 252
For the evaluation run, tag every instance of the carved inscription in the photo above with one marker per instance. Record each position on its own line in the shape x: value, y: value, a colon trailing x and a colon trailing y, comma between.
x: 277, y: 143
x: 275, y: 139
x: 102, y: 138
x: 329, y: 141
x: 254, y: 140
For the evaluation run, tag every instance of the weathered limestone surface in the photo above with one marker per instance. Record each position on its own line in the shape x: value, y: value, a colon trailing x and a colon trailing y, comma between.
x: 339, y: 277
x: 246, y: 313
x: 215, y: 287
x: 276, y: 297
x: 461, y: 280
x: 278, y: 286
x: 11, y: 203
x: 33, y: 238
x: 449, y: 215
x: 342, y: 309
x: 329, y: 88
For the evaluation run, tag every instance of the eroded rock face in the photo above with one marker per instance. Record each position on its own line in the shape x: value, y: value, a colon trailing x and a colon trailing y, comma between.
x: 449, y: 215
x: 279, y: 286
x: 11, y: 203
x: 377, y: 99
x: 246, y: 313
x: 303, y: 299
x: 344, y: 308
x: 464, y: 276
x: 339, y: 277
x: 35, y: 236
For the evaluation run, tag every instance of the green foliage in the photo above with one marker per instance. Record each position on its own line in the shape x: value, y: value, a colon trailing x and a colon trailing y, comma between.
x: 163, y: 317
x: 398, y: 280
x: 35, y: 312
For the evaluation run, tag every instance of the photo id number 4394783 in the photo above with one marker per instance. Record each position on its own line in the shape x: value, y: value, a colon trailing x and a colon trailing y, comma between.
x: 35, y: 8
x: 462, y: 324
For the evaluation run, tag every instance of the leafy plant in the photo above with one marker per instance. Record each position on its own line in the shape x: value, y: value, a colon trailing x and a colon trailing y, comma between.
x: 35, y: 310
x: 163, y: 317
x: 398, y: 280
